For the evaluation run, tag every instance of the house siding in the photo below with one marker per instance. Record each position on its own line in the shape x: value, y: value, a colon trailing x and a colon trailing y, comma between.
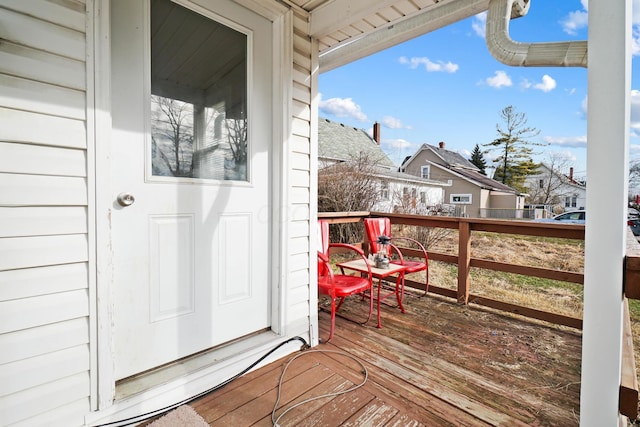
x: 414, y: 168
x: 301, y: 211
x: 463, y: 187
x: 44, y: 250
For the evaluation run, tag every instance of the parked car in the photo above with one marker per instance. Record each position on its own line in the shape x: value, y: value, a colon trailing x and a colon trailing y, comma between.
x: 578, y: 217
x: 572, y: 217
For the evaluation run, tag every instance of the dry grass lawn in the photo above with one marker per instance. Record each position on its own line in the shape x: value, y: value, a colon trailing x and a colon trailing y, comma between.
x: 558, y: 297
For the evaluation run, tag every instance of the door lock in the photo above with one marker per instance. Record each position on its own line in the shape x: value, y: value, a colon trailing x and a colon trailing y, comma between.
x: 126, y: 199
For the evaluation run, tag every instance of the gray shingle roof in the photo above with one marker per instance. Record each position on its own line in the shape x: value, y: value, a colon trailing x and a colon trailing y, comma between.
x: 401, y: 176
x: 451, y: 158
x: 484, y: 181
x: 340, y: 142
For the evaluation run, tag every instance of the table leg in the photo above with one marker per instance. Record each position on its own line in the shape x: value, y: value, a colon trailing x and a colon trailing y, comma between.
x: 400, y: 284
x: 379, y: 286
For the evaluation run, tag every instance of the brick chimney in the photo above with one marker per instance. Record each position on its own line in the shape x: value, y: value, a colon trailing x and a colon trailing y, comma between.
x: 571, y: 174
x: 441, y: 144
x: 376, y: 132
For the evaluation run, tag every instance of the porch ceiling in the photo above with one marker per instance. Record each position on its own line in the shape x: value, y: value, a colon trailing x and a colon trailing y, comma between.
x: 348, y: 30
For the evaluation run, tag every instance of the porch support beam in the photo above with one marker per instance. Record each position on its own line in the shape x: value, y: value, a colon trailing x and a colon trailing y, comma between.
x: 609, y: 84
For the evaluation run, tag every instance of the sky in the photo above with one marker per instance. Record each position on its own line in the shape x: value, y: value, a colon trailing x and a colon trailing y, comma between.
x: 446, y: 86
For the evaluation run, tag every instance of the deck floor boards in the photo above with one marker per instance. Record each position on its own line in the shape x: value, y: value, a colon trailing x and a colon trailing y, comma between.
x: 439, y: 364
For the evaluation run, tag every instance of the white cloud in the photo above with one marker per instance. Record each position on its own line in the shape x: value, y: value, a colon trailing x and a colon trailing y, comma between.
x: 583, y: 107
x: 499, y: 79
x: 546, y: 85
x: 465, y: 153
x: 430, y: 66
x: 342, y: 107
x: 575, y: 21
x: 578, y: 19
x: 567, y: 141
x: 396, y: 145
x: 479, y: 24
x: 393, y: 123
x: 635, y: 41
x: 565, y: 156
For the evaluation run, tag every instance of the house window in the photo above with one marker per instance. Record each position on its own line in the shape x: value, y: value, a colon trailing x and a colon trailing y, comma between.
x: 198, y: 116
x: 571, y: 201
x: 541, y: 183
x: 423, y: 197
x: 425, y: 172
x: 414, y: 193
x: 460, y: 199
x: 384, y: 190
x: 405, y: 192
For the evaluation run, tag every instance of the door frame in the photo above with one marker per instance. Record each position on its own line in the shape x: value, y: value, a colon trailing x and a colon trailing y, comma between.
x: 99, y: 107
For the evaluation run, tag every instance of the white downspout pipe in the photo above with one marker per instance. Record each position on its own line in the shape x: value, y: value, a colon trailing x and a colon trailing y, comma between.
x: 509, y: 52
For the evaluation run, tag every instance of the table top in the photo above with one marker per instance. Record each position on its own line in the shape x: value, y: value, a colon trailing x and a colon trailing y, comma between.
x: 360, y: 265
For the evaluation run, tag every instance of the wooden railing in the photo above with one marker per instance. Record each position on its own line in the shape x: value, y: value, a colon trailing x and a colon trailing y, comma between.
x: 465, y: 261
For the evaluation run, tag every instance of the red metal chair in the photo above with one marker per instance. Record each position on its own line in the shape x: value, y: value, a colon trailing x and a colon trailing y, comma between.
x: 339, y: 285
x: 376, y: 227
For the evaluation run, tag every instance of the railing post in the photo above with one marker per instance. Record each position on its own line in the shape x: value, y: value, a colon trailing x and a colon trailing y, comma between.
x: 464, y: 260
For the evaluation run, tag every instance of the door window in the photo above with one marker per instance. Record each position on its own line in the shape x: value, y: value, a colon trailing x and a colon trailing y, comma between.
x: 198, y: 96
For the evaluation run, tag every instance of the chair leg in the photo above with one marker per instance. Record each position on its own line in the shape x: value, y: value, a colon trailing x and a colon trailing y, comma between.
x: 426, y: 282
x: 333, y: 319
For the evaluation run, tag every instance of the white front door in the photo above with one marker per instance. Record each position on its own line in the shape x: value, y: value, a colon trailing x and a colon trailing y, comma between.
x: 190, y: 178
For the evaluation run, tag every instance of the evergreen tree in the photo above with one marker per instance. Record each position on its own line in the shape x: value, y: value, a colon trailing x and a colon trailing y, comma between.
x: 477, y: 158
x: 514, y: 160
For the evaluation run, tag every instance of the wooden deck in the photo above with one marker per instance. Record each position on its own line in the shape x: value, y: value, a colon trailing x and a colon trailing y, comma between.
x: 438, y: 364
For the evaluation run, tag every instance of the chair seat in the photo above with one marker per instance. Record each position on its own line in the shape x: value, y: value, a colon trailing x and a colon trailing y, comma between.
x: 412, y: 266
x: 345, y: 285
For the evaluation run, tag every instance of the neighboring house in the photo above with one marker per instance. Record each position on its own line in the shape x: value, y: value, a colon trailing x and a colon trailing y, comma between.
x: 398, y: 191
x: 474, y: 194
x: 556, y: 190
x: 125, y: 285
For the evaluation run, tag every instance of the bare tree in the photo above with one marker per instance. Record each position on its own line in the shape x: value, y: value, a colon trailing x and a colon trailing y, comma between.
x: 349, y: 186
x: 172, y: 134
x: 237, y: 134
x: 406, y: 201
x: 634, y: 174
x: 546, y: 190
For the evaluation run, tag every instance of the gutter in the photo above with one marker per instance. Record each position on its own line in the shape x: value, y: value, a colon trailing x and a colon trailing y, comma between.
x: 510, y: 52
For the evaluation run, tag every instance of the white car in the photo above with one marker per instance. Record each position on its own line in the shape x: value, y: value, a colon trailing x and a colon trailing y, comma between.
x: 573, y: 217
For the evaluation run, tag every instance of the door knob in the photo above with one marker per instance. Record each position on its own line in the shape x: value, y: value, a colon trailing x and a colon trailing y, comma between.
x: 126, y: 199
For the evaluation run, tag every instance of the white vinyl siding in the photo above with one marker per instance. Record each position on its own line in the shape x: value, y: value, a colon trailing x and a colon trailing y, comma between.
x: 301, y: 209
x: 44, y: 250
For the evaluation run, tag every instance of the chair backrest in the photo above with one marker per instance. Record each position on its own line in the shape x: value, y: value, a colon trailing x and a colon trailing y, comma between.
x: 323, y: 245
x: 374, y: 228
